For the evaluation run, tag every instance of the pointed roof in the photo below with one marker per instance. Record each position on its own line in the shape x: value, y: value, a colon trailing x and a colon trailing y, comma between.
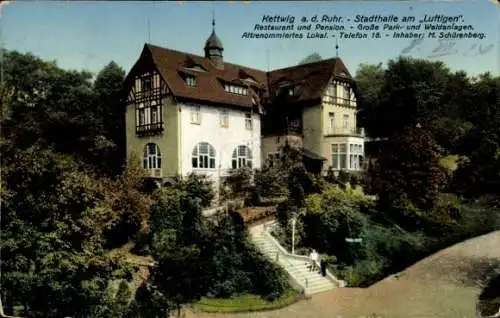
x: 308, y: 80
x: 213, y: 41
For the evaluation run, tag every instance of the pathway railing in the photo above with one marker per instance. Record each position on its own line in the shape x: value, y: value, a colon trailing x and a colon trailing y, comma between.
x: 284, y: 252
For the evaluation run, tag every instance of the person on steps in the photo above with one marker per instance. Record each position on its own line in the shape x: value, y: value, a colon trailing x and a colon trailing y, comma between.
x: 314, y: 258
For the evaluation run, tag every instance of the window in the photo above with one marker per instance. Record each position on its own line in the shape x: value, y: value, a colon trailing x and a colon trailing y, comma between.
x: 331, y: 122
x: 191, y: 81
x: 196, y: 115
x: 273, y: 159
x: 152, y: 156
x: 346, y: 121
x: 148, y: 104
x: 248, y: 121
x: 242, y: 157
x: 236, y: 89
x: 347, y: 93
x: 356, y: 157
x: 224, y: 118
x: 339, y: 156
x: 203, y: 156
x: 331, y: 94
x: 332, y: 90
x: 147, y: 83
x: 142, y: 115
x: 154, y: 113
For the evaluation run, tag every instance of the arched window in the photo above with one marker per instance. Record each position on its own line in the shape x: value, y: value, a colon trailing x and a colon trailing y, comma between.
x: 242, y: 157
x: 152, y: 156
x: 203, y: 156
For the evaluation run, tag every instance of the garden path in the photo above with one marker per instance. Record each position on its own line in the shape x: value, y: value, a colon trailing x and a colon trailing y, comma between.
x: 445, y: 284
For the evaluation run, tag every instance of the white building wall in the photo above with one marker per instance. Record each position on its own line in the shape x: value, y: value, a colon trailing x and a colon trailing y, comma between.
x: 224, y: 140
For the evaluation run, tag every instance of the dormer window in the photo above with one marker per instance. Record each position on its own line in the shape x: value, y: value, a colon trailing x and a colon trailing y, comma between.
x: 191, y: 81
x: 236, y: 89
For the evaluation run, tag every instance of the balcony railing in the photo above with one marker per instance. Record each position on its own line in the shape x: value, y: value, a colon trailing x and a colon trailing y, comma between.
x: 358, y: 132
x: 149, y: 128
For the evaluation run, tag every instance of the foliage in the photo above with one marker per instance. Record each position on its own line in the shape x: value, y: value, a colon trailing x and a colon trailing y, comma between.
x: 314, y: 57
x: 129, y: 202
x: 115, y: 303
x: 182, y: 243
x: 239, y: 182
x: 246, y: 303
x: 409, y: 168
x: 197, y: 186
x: 54, y: 215
x: 489, y: 300
x: 480, y: 175
x: 271, y: 181
x: 110, y: 115
x: 62, y: 110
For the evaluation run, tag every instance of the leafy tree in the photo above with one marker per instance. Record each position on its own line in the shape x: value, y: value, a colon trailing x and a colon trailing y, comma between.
x: 63, y: 110
x: 369, y: 81
x: 239, y: 182
x: 409, y: 168
x: 314, y: 57
x: 53, y: 219
x: 130, y: 204
x: 197, y: 186
x: 110, y: 117
x: 270, y: 181
x: 480, y: 174
x: 410, y: 92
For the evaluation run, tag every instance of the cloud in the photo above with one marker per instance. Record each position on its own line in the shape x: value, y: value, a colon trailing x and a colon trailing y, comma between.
x: 3, y: 4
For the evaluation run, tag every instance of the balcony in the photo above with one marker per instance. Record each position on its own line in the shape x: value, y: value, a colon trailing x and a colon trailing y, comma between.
x: 349, y: 131
x: 149, y: 129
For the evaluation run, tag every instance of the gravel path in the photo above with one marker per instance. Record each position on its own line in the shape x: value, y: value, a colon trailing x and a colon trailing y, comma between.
x: 445, y: 284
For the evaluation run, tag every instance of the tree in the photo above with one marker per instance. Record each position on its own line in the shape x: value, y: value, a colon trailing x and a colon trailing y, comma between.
x: 130, y: 204
x: 53, y: 219
x: 239, y: 182
x: 110, y: 115
x: 369, y: 81
x: 314, y: 57
x: 409, y: 168
x: 480, y: 174
x: 411, y: 92
x: 63, y: 110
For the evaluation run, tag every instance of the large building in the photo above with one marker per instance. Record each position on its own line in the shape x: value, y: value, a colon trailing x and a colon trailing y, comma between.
x: 188, y: 113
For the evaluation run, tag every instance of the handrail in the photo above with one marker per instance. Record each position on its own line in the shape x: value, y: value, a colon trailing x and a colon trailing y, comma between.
x: 332, y: 278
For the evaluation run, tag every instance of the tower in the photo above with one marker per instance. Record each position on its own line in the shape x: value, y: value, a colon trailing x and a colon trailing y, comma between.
x: 214, y: 48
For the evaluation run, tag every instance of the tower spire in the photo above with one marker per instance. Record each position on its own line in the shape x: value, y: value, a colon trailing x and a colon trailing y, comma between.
x: 213, y: 20
x: 337, y: 47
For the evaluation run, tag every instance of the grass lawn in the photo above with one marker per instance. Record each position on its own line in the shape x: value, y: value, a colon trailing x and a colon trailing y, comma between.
x: 245, y: 303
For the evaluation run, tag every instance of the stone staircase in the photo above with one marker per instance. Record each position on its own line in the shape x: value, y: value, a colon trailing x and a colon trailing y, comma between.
x: 297, y: 266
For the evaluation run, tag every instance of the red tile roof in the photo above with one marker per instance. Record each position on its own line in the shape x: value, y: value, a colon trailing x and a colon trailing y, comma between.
x: 309, y: 79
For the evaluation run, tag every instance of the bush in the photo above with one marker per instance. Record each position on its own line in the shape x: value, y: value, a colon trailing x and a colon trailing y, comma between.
x: 197, y: 186
x: 239, y: 182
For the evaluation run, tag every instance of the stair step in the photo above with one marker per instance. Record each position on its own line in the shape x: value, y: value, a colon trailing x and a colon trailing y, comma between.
x: 298, y: 269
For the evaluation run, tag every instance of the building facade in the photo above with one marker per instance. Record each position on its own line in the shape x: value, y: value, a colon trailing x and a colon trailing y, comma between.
x: 199, y: 114
x: 193, y: 114
x: 313, y: 107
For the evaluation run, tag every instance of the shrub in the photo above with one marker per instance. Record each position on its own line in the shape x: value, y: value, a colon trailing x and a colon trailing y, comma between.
x: 239, y: 182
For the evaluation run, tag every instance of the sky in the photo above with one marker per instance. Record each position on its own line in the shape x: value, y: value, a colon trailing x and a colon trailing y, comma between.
x: 89, y: 34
